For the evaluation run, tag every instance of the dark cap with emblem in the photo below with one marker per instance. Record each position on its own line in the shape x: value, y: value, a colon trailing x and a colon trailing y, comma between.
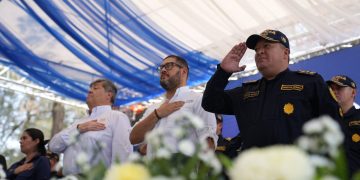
x: 342, y: 80
x: 270, y: 35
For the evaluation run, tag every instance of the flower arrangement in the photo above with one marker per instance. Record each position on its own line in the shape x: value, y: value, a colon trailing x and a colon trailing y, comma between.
x: 186, y: 159
x: 317, y: 154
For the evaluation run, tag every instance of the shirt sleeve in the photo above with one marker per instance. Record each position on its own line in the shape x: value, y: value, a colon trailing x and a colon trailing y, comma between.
x: 42, y: 169
x: 209, y: 129
x: 121, y: 146
x: 63, y: 139
x: 215, y: 98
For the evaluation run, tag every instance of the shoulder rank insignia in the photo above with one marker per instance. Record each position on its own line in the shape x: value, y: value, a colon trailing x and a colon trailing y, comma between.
x: 220, y: 148
x: 288, y: 108
x: 355, y: 137
x: 306, y: 72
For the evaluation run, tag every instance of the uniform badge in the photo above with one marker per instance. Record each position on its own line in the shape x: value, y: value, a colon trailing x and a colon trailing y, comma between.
x: 288, y: 108
x: 220, y: 148
x: 355, y: 137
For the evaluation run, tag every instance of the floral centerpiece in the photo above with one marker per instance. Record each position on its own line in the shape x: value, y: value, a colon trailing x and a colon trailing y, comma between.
x: 187, y: 160
x: 316, y: 155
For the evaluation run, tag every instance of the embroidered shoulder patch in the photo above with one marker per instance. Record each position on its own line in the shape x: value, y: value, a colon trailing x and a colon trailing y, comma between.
x: 306, y: 72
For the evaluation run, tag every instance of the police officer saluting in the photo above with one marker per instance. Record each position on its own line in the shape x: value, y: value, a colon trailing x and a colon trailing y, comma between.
x: 273, y: 109
x: 345, y: 92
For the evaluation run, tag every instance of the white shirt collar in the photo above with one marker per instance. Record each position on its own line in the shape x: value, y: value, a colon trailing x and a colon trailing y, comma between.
x: 99, y: 110
x: 180, y: 91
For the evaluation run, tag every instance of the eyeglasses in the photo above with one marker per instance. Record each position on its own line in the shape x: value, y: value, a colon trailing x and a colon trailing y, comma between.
x: 168, y: 66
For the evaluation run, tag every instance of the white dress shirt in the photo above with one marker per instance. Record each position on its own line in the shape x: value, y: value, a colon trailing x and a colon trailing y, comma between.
x: 114, y: 139
x: 193, y: 105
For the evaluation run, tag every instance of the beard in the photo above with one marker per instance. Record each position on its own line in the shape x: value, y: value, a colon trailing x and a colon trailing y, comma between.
x: 171, y: 83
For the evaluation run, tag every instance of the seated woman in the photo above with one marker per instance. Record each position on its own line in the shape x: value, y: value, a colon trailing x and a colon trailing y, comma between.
x: 35, y: 165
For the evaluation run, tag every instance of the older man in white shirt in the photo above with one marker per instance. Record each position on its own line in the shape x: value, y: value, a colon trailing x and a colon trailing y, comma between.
x: 104, y: 134
x: 178, y: 100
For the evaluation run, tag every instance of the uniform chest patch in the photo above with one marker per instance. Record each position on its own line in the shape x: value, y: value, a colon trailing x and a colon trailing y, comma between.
x: 292, y: 87
x: 354, y: 123
x: 251, y: 94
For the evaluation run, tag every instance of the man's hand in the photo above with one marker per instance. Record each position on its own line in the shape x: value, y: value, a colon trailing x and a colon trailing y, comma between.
x: 167, y: 108
x: 90, y: 126
x: 22, y: 168
x: 231, y: 61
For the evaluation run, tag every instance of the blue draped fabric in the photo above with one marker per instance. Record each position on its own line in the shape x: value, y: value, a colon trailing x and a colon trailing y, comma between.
x: 111, y: 37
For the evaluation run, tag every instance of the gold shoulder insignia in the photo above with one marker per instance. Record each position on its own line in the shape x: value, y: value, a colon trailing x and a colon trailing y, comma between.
x: 306, y: 72
x: 220, y: 148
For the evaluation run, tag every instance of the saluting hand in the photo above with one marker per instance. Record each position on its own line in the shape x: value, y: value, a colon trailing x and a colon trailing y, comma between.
x: 167, y: 108
x: 93, y: 125
x: 231, y: 61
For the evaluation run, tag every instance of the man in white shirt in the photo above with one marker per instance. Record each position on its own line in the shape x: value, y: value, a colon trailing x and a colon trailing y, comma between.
x: 104, y: 134
x: 178, y: 99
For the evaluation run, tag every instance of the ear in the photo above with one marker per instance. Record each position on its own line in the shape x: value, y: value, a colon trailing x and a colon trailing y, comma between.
x: 109, y: 95
x: 353, y: 93
x: 37, y: 141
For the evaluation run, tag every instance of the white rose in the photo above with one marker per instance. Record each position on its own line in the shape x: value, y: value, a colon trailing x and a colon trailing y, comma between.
x: 187, y: 147
x: 275, y: 162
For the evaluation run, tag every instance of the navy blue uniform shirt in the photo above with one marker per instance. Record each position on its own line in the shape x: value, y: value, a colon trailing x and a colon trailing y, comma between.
x: 352, y: 138
x: 271, y: 111
x: 40, y: 170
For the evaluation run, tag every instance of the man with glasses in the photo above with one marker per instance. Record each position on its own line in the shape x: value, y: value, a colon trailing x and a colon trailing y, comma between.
x: 273, y: 109
x: 345, y: 91
x: 178, y: 98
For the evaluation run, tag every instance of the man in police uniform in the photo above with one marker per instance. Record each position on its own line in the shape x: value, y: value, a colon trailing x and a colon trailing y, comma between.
x: 230, y: 147
x: 271, y: 110
x: 345, y: 92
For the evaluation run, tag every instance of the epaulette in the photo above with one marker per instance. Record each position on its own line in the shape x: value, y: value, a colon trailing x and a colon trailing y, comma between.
x: 311, y: 73
x: 250, y: 82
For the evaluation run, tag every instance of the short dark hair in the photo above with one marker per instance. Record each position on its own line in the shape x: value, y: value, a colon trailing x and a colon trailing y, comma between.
x: 109, y: 86
x: 37, y: 134
x: 181, y: 61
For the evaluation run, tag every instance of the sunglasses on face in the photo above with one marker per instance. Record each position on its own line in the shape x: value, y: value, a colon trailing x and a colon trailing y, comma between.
x: 168, y: 66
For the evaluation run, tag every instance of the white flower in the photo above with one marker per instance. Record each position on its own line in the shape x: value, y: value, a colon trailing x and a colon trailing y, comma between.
x: 163, y: 153
x: 134, y: 157
x: 320, y: 161
x: 69, y: 177
x: 275, y: 162
x: 187, y: 147
x: 329, y: 177
x: 313, y: 127
x: 178, y: 132
x: 195, y: 121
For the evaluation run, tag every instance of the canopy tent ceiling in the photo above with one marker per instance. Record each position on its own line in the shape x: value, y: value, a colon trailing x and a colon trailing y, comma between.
x: 64, y: 45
